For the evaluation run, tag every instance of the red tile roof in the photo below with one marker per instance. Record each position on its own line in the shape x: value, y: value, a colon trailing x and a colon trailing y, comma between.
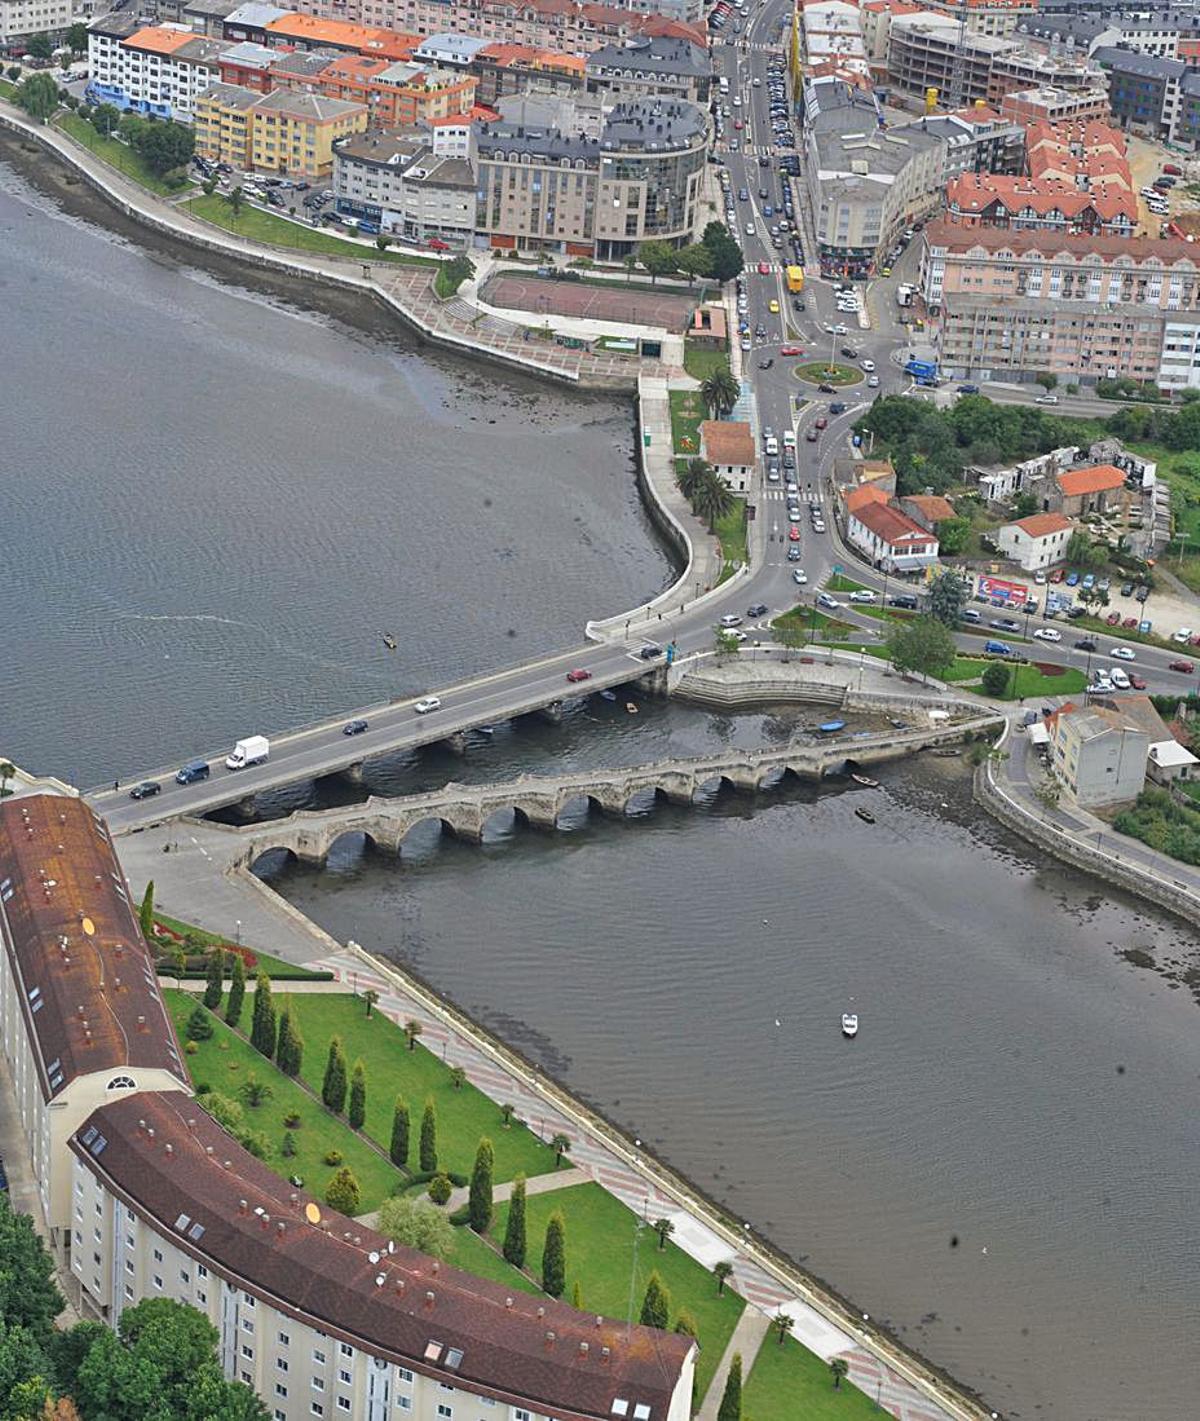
x: 167, y: 1160
x: 860, y: 497
x: 1041, y: 525
x: 957, y: 239
x: 932, y: 506
x: 84, y: 976
x: 727, y: 442
x: 892, y: 527
x: 1094, y: 480
x: 971, y: 194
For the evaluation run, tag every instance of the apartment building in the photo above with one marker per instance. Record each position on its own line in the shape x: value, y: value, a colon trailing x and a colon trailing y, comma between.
x: 1053, y: 105
x: 295, y: 133
x: 21, y: 19
x: 289, y: 30
x: 1143, y: 90
x: 978, y: 140
x: 397, y: 180
x: 81, y: 1018
x: 1099, y: 755
x: 1091, y: 155
x: 888, y: 538
x: 987, y: 17
x: 665, y: 66
x: 924, y: 53
x: 875, y: 18
x: 548, y: 190
x: 223, y: 124
x: 866, y: 183
x: 155, y: 70
x: 570, y: 26
x: 1025, y: 204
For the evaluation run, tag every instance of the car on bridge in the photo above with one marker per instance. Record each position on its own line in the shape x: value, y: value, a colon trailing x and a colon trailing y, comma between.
x: 145, y: 789
x: 650, y: 651
x: 427, y: 704
x: 354, y: 727
x: 579, y: 674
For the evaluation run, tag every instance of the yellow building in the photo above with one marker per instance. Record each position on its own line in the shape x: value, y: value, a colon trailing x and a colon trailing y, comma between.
x: 223, y: 122
x: 295, y: 133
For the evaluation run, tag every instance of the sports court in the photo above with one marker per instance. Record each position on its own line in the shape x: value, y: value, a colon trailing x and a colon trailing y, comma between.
x: 637, y: 305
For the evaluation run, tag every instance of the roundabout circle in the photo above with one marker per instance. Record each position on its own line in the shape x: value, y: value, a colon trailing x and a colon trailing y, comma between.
x: 824, y: 372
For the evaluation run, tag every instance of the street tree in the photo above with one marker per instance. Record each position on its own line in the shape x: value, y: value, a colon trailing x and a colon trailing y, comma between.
x: 479, y: 1203
x: 214, y: 987
x: 838, y: 1368
x: 343, y: 1194
x: 629, y: 261
x: 236, y: 199
x: 947, y: 597
x: 333, y: 1087
x: 412, y: 1029
x: 730, y: 1408
x: 458, y: 1077
x: 237, y: 991
x: 29, y: 1296
x: 722, y: 1272
x: 713, y: 500
x: 783, y: 1323
x: 664, y: 1228
x: 659, y: 259
x: 724, y: 642
x: 514, y: 1229
x: 370, y: 996
x: 554, y: 1255
x: 40, y: 46
x: 165, y: 146
x: 921, y: 644
x: 656, y: 1304
x: 693, y: 476
x: 791, y: 635
x: 418, y: 1224
x: 1047, y: 379
x: 77, y: 38
x: 560, y: 1144
x: 382, y: 242
x: 401, y: 1126
x: 695, y: 261
x: 727, y: 256
x: 356, y: 1115
x: 428, y: 1148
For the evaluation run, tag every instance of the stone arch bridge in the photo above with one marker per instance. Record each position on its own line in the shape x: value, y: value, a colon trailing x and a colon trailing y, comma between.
x: 538, y: 801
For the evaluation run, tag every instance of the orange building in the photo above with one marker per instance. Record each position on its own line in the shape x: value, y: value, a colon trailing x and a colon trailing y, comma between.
x: 398, y: 95
x: 308, y: 32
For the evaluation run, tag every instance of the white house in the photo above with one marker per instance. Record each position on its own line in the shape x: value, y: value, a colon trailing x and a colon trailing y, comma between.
x: 1036, y: 542
x: 728, y: 445
x: 889, y: 538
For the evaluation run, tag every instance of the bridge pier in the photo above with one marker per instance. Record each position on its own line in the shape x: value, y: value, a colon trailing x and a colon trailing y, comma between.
x: 352, y: 774
x: 245, y: 808
x: 456, y: 743
x: 743, y: 777
x: 553, y: 713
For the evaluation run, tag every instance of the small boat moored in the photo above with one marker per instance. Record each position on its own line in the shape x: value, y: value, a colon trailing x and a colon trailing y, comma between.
x: 849, y: 1023
x: 631, y: 708
x: 389, y: 641
x: 865, y: 815
x: 485, y: 730
x: 831, y: 727
x: 608, y: 695
x: 864, y: 780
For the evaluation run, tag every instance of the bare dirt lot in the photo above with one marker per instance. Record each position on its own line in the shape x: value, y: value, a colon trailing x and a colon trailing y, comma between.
x: 640, y: 305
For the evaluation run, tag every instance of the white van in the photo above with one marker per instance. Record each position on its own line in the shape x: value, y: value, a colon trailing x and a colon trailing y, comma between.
x: 789, y: 440
x: 771, y: 445
x: 1119, y: 678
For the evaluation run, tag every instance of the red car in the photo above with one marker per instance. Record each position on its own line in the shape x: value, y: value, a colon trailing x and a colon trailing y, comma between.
x: 821, y: 422
x: 1137, y: 683
x: 437, y: 245
x: 1056, y: 575
x: 1187, y: 667
x: 1130, y: 622
x: 1113, y: 619
x: 1195, y: 641
x: 579, y: 674
x: 793, y: 534
x: 791, y: 350
x: 764, y: 269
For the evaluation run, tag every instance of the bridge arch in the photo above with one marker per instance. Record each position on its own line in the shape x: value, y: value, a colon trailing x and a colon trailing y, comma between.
x: 349, y: 849
x: 268, y: 861
x: 423, y: 837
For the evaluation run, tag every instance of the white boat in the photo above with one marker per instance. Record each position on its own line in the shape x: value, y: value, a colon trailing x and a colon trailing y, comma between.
x: 849, y: 1023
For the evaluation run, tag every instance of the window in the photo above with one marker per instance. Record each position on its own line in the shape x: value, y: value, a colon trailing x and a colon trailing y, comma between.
x: 317, y: 1409
x: 345, y: 1378
x: 281, y: 1364
x: 247, y: 1324
x: 404, y: 1403
x: 343, y: 1403
x: 129, y: 1291
x: 247, y: 1351
x: 158, y: 1255
x: 248, y: 1378
x: 444, y: 1410
x: 128, y: 1263
x: 201, y: 1271
x: 318, y: 1356
x: 404, y: 1375
x: 280, y: 1389
x: 345, y: 1349
x: 318, y: 1383
x: 158, y: 1282
x: 184, y: 1276
x: 284, y: 1340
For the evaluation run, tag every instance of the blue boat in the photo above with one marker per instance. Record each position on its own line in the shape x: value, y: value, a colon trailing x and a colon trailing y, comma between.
x: 831, y: 726
x: 608, y: 695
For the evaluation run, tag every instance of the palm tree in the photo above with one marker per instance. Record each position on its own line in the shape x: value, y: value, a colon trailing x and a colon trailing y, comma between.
x: 7, y: 771
x: 370, y: 996
x: 722, y: 1272
x: 412, y: 1029
x: 693, y: 477
x: 560, y: 1145
x: 720, y: 392
x: 236, y: 200
x: 713, y: 500
x: 458, y: 1077
x: 839, y: 1368
x: 506, y: 1114
x: 664, y: 1228
x: 784, y: 1323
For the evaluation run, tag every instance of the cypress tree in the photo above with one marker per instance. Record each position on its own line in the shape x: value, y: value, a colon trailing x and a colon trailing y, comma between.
x: 146, y: 912
x: 398, y: 1150
x: 554, y: 1256
x: 429, y: 1155
x: 514, y: 1232
x: 237, y: 990
x: 479, y: 1202
x: 656, y: 1305
x: 333, y: 1088
x: 216, y: 978
x: 576, y: 1294
x: 289, y: 1054
x: 342, y: 1192
x: 357, y: 1113
x: 730, y: 1408
x: 262, y: 1023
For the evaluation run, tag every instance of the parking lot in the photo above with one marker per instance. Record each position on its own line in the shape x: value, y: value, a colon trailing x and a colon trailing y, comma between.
x: 291, y: 197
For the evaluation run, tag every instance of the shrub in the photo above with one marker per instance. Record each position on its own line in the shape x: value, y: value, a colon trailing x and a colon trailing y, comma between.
x: 343, y: 1193
x: 995, y: 678
x: 292, y: 1120
x: 288, y: 1148
x: 333, y: 1157
x: 199, y: 1026
x: 440, y: 1189
x: 191, y: 1048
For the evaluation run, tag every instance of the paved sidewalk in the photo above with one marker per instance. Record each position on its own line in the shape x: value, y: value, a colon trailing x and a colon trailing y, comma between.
x: 746, y: 1339
x: 502, y: 1193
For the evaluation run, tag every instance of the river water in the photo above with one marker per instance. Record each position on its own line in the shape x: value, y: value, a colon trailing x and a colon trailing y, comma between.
x: 215, y: 501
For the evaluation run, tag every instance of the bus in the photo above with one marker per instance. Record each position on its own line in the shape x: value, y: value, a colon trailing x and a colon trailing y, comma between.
x: 795, y: 278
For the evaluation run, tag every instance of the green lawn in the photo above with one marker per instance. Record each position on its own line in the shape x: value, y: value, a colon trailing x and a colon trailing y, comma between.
x: 789, y: 1382
x: 1030, y: 681
x: 224, y: 1063
x: 821, y: 372
x: 600, y: 1231
x: 8, y: 90
x: 116, y: 154
x: 700, y: 362
x: 806, y: 618
x: 272, y: 966
x: 839, y: 582
x: 687, y: 414
x: 258, y: 226
x: 731, y: 531
x: 476, y: 1255
x: 463, y: 1115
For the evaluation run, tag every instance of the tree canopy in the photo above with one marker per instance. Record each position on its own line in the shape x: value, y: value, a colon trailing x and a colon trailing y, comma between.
x: 921, y: 644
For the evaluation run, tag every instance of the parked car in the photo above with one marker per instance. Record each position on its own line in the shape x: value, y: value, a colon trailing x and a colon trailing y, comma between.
x: 997, y: 648
x: 1142, y: 593
x: 828, y: 601
x: 1048, y: 634
x: 1072, y: 579
x: 1187, y: 667
x: 1136, y: 682
x: 862, y: 594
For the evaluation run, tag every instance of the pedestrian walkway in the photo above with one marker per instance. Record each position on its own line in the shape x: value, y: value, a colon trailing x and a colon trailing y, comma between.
x: 745, y: 1341
x: 539, y: 1184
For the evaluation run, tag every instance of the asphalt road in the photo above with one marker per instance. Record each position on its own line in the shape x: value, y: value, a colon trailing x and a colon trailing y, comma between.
x: 322, y: 749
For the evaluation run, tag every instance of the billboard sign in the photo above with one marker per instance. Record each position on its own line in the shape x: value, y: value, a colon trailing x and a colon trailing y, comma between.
x: 1012, y: 594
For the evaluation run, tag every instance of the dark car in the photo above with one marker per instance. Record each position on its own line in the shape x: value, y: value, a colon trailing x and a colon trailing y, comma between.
x: 1005, y: 624
x: 837, y: 406
x: 354, y: 727
x: 1126, y: 589
x: 759, y: 609
x: 968, y: 389
x: 650, y: 651
x: 766, y: 364
x: 821, y: 422
x: 1085, y: 643
x: 1136, y: 682
x: 826, y: 389
x: 811, y: 435
x: 1142, y: 593
x: 145, y: 789
x: 1187, y: 667
x: 849, y: 352
x: 903, y: 599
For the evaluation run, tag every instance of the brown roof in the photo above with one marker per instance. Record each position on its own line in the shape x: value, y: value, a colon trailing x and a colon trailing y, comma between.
x: 727, y: 441
x: 1041, y: 525
x: 169, y: 1161
x: 84, y: 976
x: 893, y: 527
x: 958, y: 239
x: 1093, y: 480
x: 931, y: 505
x: 859, y: 497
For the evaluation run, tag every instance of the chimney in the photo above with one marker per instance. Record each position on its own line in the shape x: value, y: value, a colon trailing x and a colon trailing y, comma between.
x: 243, y: 1208
x: 429, y: 1297
x: 605, y: 1353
